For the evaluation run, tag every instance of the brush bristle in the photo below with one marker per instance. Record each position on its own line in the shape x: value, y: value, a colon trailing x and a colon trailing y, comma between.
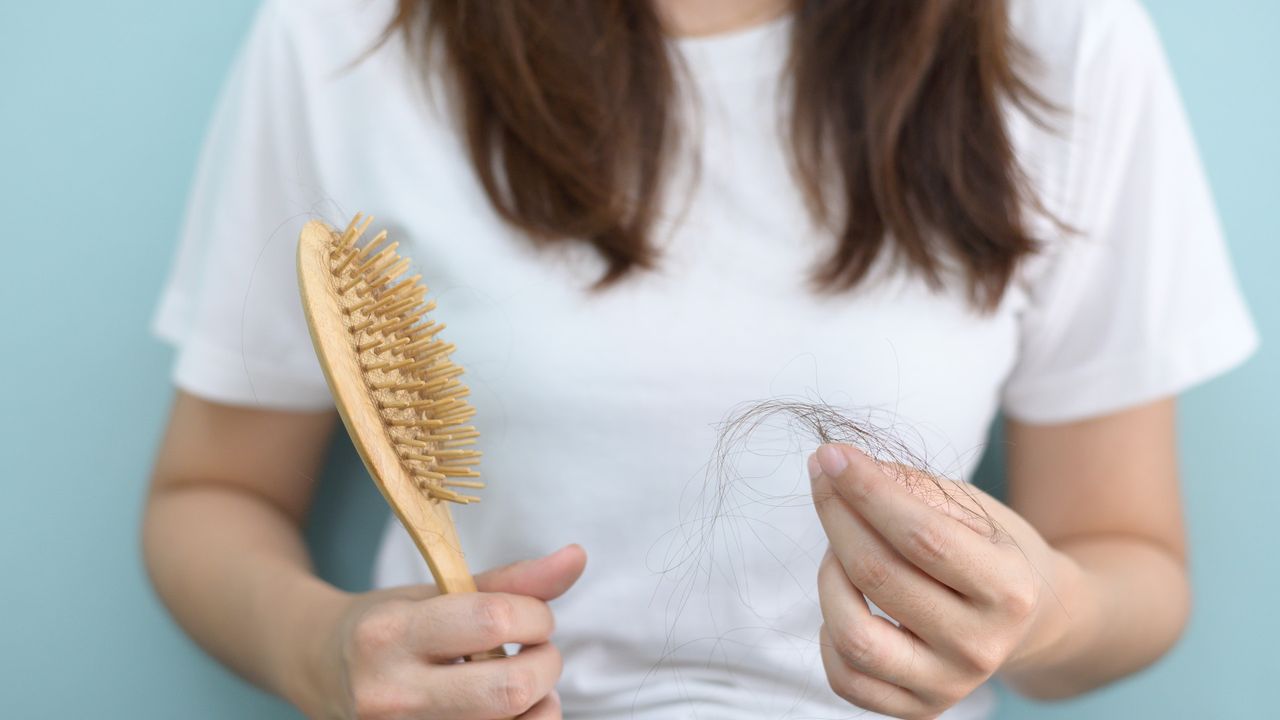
x: 406, y: 367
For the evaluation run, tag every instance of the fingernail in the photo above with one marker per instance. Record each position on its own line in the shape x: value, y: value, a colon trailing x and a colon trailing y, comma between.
x: 832, y: 460
x: 814, y: 468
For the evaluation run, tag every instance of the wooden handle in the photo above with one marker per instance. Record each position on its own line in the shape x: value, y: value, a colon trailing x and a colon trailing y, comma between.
x: 494, y: 654
x: 461, y: 584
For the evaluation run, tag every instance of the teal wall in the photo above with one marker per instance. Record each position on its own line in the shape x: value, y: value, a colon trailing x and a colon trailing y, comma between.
x: 102, y: 106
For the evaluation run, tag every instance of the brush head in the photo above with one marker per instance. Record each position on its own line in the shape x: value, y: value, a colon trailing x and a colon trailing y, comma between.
x: 391, y: 375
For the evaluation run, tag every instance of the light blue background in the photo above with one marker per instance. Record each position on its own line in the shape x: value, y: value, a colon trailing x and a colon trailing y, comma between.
x: 102, y: 108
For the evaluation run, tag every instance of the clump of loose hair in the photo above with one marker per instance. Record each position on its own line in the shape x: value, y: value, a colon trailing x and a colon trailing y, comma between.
x: 716, y: 525
x: 826, y: 423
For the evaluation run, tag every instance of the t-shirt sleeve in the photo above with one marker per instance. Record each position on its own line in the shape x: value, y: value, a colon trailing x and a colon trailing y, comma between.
x: 1138, y: 300
x: 230, y: 305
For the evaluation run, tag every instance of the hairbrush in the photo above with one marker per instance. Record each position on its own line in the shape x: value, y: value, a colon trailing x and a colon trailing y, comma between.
x: 394, y: 384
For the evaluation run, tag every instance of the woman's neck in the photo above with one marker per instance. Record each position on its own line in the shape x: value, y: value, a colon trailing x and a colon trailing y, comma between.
x: 696, y: 18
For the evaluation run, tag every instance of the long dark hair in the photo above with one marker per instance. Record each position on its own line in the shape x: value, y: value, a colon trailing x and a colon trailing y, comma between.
x: 896, y: 126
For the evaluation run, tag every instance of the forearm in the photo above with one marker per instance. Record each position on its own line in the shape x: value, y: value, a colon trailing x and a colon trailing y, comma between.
x: 1128, y: 604
x: 235, y: 574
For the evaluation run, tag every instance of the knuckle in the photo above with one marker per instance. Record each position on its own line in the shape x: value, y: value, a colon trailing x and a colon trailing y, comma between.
x: 850, y: 685
x: 858, y: 647
x: 516, y: 691
x: 1018, y: 599
x: 929, y: 543
x: 380, y: 627
x: 873, y: 572
x: 984, y: 657
x: 854, y: 690
x: 495, y: 618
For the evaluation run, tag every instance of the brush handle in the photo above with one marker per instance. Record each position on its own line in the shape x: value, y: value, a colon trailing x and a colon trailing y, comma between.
x: 449, y: 570
x: 461, y: 584
x: 494, y: 654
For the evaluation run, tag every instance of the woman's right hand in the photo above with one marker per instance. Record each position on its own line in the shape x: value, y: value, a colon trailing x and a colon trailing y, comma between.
x: 393, y: 654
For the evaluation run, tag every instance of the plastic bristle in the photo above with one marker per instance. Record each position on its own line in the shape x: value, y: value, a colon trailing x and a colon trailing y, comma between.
x: 406, y: 367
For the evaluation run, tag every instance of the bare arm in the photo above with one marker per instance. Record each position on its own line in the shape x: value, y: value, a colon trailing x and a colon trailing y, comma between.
x: 222, y: 540
x: 1105, y: 493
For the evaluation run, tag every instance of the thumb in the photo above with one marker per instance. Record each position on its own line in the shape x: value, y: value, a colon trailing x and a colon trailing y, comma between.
x: 546, y: 577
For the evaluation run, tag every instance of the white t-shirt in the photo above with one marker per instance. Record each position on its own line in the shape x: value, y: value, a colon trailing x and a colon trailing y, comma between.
x: 598, y: 414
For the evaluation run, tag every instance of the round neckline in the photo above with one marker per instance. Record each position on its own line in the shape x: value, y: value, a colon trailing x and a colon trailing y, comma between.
x: 744, y: 52
x: 737, y: 36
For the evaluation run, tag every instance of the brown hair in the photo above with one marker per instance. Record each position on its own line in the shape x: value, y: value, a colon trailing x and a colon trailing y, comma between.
x: 896, y: 125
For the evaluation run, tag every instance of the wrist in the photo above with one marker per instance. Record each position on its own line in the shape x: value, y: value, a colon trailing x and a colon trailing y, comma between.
x: 308, y: 666
x: 1065, y: 621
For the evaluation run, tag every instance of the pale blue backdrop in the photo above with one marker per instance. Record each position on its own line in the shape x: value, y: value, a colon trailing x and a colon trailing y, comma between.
x: 102, y: 107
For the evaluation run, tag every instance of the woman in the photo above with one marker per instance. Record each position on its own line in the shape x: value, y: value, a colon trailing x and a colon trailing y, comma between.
x: 637, y: 215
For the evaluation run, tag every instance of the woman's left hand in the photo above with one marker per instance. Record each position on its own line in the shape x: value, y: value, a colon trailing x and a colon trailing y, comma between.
x: 972, y: 585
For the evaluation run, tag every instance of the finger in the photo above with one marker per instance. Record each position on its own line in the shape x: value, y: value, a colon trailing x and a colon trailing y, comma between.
x: 460, y: 624
x: 962, y: 502
x: 498, y: 689
x: 920, y: 603
x: 869, y: 643
x: 545, y: 578
x: 938, y: 544
x: 865, y: 691
x: 548, y: 708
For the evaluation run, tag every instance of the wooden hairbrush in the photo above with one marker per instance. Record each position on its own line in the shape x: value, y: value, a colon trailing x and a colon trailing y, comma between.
x: 394, y: 384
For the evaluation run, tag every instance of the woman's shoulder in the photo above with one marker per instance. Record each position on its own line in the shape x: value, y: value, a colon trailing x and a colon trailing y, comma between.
x: 335, y: 13
x: 1065, y: 38
x: 329, y: 34
x: 1095, y: 63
